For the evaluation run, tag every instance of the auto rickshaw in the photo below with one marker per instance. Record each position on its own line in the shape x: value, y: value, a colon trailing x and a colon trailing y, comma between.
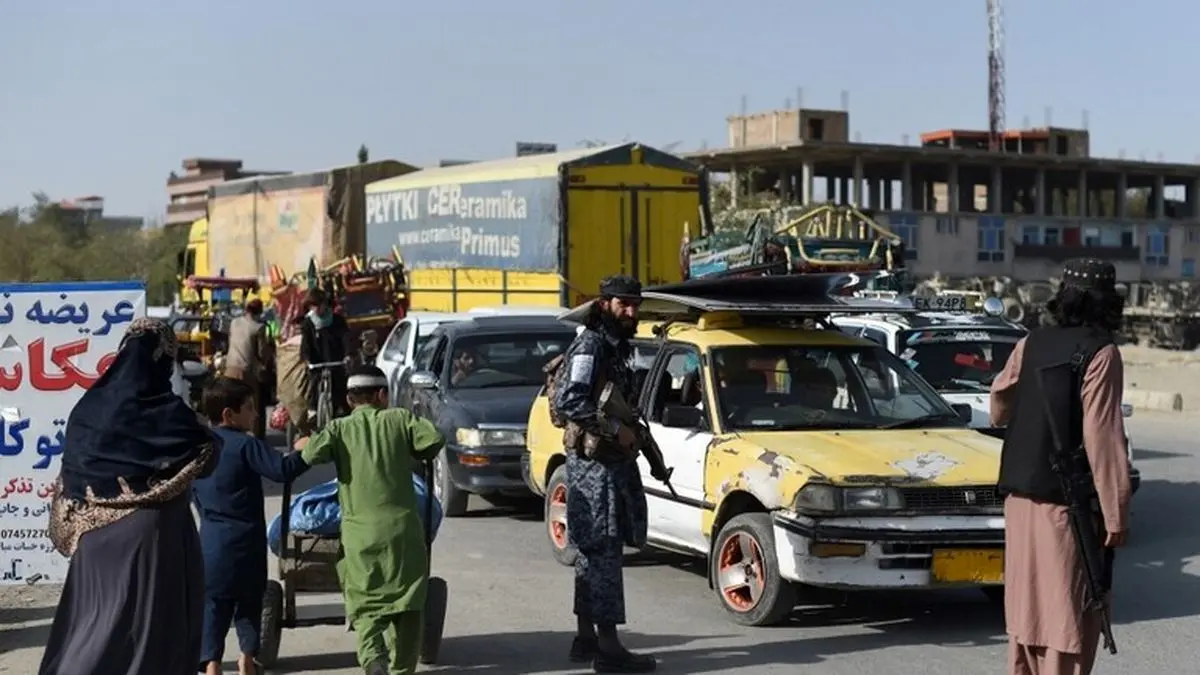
x: 202, y: 327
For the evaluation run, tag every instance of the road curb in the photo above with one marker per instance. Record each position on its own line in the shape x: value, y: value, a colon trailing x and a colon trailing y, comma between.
x: 1148, y: 399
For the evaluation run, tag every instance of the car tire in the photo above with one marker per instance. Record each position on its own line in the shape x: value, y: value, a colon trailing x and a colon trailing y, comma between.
x: 271, y: 628
x: 556, y: 518
x: 745, y: 548
x: 454, y: 501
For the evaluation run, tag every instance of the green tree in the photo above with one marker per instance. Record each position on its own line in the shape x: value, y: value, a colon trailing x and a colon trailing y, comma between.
x: 363, y: 155
x: 44, y: 242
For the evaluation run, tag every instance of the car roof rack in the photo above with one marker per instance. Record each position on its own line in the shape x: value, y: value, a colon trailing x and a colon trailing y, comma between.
x: 812, y: 295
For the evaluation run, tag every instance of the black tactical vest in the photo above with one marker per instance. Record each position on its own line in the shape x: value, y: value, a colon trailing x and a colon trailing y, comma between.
x: 1025, y: 463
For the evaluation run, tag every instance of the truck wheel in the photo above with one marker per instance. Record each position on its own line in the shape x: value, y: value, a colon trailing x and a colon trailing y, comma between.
x: 272, y: 624
x: 454, y: 500
x: 745, y: 572
x: 437, y: 595
x: 556, y: 518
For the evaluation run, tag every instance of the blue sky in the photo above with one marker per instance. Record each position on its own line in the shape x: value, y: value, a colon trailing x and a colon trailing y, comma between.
x: 106, y: 97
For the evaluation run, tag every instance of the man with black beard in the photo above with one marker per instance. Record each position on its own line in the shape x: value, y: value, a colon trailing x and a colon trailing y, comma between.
x: 1050, y: 615
x: 606, y: 507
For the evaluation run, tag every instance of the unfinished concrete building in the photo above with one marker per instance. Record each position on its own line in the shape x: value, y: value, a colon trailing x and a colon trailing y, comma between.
x: 966, y: 211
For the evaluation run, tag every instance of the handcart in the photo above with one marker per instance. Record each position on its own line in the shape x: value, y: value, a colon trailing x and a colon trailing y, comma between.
x: 308, y: 564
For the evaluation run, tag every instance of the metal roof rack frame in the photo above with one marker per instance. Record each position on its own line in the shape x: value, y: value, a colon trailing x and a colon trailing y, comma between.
x: 785, y: 297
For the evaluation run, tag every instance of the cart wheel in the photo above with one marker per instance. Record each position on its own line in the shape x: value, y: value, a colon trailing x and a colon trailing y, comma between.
x: 436, y: 597
x: 272, y: 624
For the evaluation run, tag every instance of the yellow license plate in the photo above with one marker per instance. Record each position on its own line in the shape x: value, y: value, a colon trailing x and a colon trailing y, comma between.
x: 975, y: 566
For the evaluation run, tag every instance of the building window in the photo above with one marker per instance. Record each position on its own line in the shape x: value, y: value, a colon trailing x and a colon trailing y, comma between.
x: 1193, y: 234
x: 947, y: 226
x: 1127, y: 236
x: 906, y: 228
x: 1031, y: 235
x: 1188, y: 269
x: 1091, y: 236
x: 991, y: 240
x: 1157, y: 246
x: 1052, y: 237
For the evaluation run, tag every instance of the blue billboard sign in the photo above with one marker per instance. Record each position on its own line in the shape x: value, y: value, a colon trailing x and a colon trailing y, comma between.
x: 508, y: 225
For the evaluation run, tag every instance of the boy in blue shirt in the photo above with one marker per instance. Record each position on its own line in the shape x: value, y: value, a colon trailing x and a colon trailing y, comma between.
x: 233, y: 527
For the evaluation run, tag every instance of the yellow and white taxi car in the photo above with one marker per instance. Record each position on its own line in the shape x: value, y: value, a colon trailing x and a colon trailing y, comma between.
x: 802, y: 456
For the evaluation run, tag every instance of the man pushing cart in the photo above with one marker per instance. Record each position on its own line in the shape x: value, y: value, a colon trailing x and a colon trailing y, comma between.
x: 384, y: 567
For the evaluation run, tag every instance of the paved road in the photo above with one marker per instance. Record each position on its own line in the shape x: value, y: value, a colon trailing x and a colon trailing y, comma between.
x: 510, y: 604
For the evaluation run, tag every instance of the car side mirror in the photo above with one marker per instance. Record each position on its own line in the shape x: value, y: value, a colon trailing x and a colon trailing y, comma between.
x: 682, y: 417
x: 964, y: 411
x: 423, y: 380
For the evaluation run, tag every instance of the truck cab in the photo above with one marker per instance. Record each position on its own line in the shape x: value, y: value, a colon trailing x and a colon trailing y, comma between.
x: 192, y: 261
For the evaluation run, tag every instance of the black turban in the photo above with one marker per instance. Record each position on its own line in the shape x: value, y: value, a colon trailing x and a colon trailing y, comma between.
x: 621, y: 286
x: 1090, y: 274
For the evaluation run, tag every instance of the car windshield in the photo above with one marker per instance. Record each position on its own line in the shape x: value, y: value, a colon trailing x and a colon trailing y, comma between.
x: 482, y: 361
x: 958, y: 360
x: 425, y: 331
x: 840, y: 387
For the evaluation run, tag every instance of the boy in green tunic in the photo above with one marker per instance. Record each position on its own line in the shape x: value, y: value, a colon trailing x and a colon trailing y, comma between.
x: 384, y: 566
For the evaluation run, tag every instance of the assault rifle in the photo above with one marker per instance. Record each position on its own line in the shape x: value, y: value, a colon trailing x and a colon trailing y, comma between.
x: 1078, y: 486
x: 614, y: 406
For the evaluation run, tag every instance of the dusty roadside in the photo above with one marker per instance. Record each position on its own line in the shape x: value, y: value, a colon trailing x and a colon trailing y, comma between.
x: 1162, y: 370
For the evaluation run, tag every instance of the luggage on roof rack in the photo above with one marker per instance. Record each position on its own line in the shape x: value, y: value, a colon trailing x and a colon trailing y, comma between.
x: 798, y: 240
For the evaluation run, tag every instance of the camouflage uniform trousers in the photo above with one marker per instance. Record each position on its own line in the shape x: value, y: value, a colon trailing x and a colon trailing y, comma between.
x: 606, y: 510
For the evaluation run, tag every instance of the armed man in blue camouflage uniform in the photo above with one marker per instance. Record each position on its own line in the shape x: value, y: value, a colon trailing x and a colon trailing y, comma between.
x: 606, y: 507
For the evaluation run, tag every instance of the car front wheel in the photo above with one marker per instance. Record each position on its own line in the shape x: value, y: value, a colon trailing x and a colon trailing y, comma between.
x: 745, y: 572
x: 556, y: 518
x: 454, y: 501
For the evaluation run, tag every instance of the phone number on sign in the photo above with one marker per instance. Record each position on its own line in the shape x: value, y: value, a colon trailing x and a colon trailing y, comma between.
x: 23, y: 534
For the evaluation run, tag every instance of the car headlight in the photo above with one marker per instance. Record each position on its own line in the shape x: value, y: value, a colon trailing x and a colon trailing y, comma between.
x: 1126, y: 410
x: 826, y: 499
x: 476, y: 438
x: 872, y: 499
x: 818, y: 498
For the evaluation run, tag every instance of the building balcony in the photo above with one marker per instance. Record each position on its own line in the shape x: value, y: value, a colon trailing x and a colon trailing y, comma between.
x: 178, y: 214
x: 200, y: 207
x: 192, y: 185
x: 1059, y: 253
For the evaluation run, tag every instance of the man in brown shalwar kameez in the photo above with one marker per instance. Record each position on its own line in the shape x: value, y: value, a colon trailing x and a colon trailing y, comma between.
x: 1045, y: 585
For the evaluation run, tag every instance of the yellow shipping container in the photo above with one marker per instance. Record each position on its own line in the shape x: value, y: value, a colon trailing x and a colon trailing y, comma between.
x: 537, y: 230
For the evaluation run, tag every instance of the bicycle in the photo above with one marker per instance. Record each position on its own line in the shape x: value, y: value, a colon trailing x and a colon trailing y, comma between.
x: 325, y: 391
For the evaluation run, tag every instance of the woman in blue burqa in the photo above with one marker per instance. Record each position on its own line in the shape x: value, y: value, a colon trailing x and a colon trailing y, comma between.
x: 133, y: 599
